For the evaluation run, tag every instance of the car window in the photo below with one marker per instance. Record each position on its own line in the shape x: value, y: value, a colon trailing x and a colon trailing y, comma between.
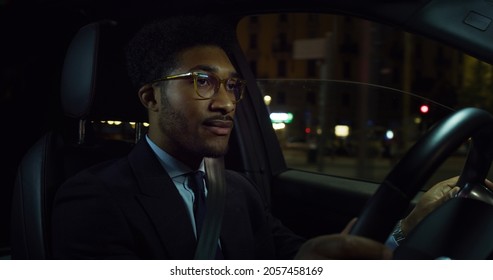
x: 348, y: 97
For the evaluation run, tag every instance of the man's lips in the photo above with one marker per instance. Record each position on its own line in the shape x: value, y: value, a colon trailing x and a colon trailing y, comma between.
x: 219, y: 126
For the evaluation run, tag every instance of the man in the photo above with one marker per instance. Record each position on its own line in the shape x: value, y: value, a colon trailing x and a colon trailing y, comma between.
x: 143, y: 206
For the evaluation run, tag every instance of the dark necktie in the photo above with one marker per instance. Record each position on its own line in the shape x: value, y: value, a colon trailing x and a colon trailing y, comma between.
x: 199, y: 204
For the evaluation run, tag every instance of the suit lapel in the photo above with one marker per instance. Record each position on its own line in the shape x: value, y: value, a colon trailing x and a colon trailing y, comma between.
x: 162, y: 202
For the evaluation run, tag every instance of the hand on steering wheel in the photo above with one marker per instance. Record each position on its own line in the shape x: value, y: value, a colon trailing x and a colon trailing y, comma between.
x: 391, y: 201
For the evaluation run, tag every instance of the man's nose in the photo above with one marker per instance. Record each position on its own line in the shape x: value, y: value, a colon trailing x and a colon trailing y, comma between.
x: 223, y: 100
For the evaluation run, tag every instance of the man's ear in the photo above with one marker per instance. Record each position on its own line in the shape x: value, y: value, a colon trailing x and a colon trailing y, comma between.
x: 147, y: 95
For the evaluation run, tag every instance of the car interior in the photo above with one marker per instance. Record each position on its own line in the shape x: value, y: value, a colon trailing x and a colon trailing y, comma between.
x: 64, y: 72
x: 91, y: 69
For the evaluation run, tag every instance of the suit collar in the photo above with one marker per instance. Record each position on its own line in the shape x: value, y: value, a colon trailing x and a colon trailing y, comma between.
x: 173, y: 166
x: 162, y: 202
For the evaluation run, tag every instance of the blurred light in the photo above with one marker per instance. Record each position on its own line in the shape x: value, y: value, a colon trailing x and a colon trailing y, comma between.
x: 424, y: 109
x: 113, y: 122
x: 341, y: 130
x: 132, y: 124
x: 417, y: 120
x: 281, y: 117
x: 319, y: 131
x: 267, y: 100
x: 278, y: 126
x: 308, y: 130
x: 389, y: 134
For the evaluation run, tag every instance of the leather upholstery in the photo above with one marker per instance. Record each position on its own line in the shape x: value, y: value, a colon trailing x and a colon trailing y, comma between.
x: 94, y: 86
x: 94, y: 82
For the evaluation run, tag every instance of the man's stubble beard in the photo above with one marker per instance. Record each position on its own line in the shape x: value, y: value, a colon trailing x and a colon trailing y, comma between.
x: 174, y: 124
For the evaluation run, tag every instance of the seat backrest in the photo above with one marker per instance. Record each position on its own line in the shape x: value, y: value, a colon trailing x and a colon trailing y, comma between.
x: 94, y: 87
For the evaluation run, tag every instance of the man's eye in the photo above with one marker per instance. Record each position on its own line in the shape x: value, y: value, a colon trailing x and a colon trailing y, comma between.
x: 203, y: 81
x: 232, y: 84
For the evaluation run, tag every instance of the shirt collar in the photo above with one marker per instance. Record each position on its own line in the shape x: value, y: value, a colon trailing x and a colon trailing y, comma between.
x: 173, y: 166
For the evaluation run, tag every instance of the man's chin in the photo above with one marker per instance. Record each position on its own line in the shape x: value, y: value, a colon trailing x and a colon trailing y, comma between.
x: 215, y: 152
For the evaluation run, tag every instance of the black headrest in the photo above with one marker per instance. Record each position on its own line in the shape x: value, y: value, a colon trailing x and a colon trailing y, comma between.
x: 95, y: 84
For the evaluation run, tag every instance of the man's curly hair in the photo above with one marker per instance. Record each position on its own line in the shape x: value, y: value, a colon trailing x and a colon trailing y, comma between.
x: 154, y: 50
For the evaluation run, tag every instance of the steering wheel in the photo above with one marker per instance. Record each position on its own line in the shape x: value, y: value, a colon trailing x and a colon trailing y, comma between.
x: 461, y: 228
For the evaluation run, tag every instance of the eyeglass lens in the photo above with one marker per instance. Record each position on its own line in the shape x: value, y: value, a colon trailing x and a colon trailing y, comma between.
x: 207, y: 85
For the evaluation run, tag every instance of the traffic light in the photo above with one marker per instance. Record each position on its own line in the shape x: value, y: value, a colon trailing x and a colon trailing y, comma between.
x: 424, y: 109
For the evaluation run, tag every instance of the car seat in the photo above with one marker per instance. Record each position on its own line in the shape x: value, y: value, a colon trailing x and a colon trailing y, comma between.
x: 94, y: 88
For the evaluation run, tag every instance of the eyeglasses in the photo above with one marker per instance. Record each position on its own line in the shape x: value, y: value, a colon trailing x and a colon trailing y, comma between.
x: 206, y: 85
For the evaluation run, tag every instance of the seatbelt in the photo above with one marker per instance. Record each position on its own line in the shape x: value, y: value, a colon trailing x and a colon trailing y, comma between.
x: 216, y: 194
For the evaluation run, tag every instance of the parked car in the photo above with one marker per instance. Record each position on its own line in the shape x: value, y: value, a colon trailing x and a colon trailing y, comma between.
x: 353, y: 76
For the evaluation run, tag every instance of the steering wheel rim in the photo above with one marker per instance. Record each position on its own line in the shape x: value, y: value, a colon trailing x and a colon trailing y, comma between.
x: 391, y: 200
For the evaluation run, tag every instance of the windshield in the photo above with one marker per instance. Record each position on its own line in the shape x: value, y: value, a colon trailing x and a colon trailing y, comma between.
x: 349, y: 97
x: 350, y: 129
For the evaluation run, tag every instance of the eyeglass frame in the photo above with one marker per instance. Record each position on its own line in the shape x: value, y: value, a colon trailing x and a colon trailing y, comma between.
x: 196, y: 74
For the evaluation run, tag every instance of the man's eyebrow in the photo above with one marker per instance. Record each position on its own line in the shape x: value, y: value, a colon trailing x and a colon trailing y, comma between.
x: 212, y: 69
x: 207, y: 68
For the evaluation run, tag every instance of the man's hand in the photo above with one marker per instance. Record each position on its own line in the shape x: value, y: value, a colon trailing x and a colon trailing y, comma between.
x: 343, y: 246
x: 430, y: 200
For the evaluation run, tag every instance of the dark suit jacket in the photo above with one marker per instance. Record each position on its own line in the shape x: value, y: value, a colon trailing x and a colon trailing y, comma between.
x: 130, y: 209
